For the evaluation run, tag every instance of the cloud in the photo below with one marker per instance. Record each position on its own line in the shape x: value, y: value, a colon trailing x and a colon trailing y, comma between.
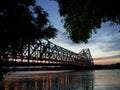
x: 107, y: 38
x: 111, y: 44
x: 110, y: 57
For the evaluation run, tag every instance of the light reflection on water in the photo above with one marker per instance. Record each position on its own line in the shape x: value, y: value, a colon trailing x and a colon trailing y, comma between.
x: 75, y: 80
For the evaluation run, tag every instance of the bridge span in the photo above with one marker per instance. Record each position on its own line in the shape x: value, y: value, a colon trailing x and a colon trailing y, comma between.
x: 45, y: 53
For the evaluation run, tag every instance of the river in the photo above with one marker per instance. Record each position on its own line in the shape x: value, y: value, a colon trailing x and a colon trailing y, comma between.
x: 62, y: 80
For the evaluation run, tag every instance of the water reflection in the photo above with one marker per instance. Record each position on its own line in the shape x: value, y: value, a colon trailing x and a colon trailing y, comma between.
x: 83, y: 80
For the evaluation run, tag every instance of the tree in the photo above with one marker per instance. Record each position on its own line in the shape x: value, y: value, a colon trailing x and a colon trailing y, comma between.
x: 22, y: 21
x: 83, y: 17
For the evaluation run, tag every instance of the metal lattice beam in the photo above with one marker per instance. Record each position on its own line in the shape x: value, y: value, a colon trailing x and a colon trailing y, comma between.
x: 44, y: 51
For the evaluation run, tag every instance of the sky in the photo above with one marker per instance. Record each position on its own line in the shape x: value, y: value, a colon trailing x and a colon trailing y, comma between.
x: 104, y: 46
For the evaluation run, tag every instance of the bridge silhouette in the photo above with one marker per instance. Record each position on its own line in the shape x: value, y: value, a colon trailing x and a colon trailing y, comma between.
x: 45, y: 53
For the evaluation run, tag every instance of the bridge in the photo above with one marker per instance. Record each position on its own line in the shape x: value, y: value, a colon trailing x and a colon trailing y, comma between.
x: 45, y: 53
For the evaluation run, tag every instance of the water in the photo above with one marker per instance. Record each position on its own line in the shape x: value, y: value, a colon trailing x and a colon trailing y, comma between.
x: 62, y: 80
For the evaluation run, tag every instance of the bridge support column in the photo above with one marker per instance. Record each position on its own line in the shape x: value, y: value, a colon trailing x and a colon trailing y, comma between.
x: 28, y: 52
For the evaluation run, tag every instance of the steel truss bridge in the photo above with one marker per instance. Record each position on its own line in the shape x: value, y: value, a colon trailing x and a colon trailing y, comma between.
x: 45, y: 53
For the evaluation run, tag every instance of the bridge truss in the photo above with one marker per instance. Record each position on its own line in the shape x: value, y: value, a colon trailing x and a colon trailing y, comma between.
x: 44, y: 52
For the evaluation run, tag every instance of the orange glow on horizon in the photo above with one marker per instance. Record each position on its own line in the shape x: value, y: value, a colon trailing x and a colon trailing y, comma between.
x: 107, y: 61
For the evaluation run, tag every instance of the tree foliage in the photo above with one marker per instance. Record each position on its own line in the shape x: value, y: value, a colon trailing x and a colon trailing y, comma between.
x: 22, y: 21
x: 83, y: 17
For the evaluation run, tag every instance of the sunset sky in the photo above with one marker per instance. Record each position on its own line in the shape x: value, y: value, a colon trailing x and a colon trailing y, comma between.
x: 104, y: 46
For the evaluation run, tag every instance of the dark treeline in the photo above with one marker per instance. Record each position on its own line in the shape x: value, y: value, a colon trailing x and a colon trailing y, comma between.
x: 111, y: 66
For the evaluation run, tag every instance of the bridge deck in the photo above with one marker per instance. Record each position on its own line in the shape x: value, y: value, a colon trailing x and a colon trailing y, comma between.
x: 44, y: 52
